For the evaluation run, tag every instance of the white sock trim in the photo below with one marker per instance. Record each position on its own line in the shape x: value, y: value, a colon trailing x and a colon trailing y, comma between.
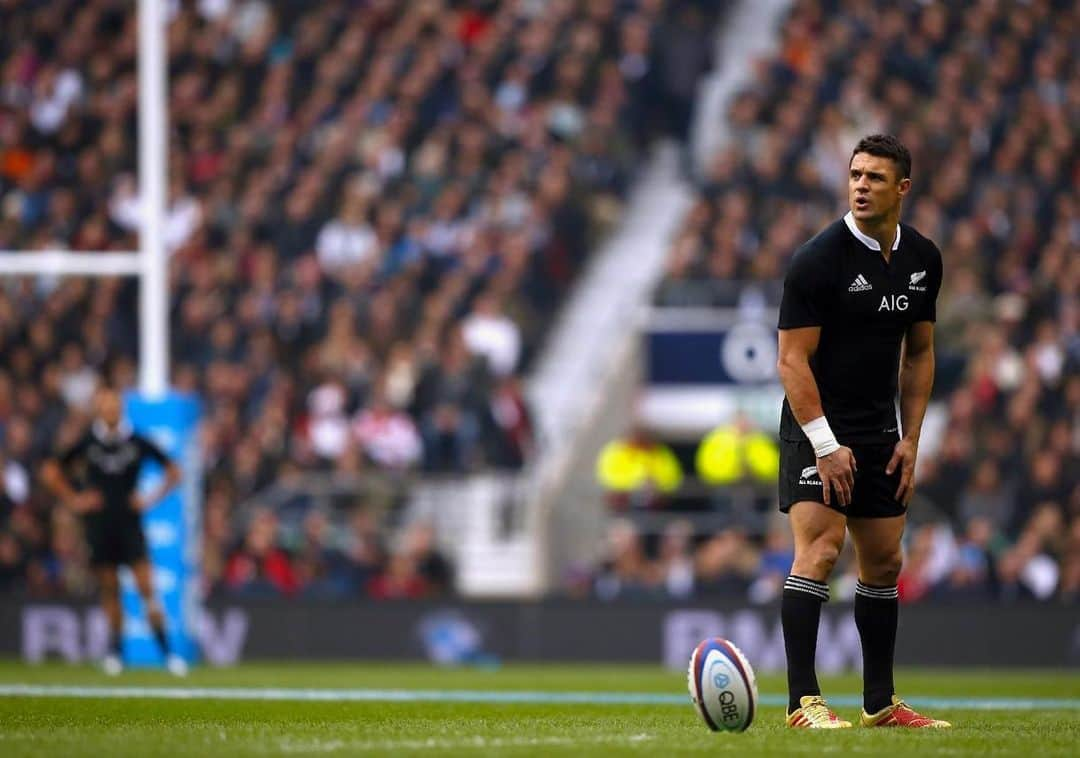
x: 819, y: 590
x: 878, y: 593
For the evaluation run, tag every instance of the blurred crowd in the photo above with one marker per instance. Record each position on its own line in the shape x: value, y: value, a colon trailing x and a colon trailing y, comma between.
x: 330, y: 559
x: 373, y: 210
x: 987, y: 97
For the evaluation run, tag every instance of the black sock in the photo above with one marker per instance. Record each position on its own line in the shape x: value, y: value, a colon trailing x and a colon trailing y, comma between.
x: 800, y: 613
x: 159, y: 635
x: 116, y: 643
x: 876, y: 613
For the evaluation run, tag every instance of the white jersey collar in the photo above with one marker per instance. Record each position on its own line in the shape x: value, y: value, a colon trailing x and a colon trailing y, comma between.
x: 870, y: 242
x: 102, y: 432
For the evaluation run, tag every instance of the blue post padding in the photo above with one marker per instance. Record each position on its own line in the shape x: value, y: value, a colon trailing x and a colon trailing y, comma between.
x: 173, y: 529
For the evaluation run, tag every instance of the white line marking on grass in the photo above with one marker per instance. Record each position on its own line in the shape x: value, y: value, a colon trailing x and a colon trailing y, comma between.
x: 484, y: 696
x: 457, y: 743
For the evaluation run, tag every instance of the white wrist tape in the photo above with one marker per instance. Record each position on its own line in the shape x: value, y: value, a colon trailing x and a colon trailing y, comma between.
x: 821, y: 436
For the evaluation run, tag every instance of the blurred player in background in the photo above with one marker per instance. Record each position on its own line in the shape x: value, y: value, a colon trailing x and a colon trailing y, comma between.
x: 856, y: 324
x: 106, y: 463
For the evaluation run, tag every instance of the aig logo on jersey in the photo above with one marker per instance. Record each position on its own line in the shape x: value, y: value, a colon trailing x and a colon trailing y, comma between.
x: 893, y: 303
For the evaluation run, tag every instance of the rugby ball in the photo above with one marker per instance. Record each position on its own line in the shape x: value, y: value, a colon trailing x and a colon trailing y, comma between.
x: 722, y: 685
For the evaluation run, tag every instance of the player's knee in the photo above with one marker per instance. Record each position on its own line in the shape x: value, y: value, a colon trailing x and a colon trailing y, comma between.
x: 145, y: 589
x: 884, y: 570
x: 110, y: 590
x: 818, y: 559
x: 153, y: 607
x: 825, y: 555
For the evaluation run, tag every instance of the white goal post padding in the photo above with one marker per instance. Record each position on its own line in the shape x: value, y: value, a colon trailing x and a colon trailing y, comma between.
x: 67, y: 263
x: 150, y: 263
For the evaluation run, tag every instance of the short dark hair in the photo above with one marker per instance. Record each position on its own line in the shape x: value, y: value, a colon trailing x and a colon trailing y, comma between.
x: 886, y: 146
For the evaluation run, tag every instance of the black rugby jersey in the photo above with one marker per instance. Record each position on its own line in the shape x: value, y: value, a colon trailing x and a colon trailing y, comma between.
x: 111, y: 466
x: 840, y: 281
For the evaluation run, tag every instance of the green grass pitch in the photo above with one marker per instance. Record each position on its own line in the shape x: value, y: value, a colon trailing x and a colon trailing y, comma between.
x: 446, y: 722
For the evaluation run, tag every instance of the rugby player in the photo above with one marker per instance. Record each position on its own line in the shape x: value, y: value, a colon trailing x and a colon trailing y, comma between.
x: 856, y: 329
x: 106, y: 463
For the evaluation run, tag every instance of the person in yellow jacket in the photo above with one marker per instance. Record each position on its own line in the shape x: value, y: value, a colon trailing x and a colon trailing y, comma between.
x: 638, y: 471
x: 734, y: 452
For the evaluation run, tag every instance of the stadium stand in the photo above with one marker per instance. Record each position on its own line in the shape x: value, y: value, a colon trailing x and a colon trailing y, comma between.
x: 987, y: 96
x: 374, y: 210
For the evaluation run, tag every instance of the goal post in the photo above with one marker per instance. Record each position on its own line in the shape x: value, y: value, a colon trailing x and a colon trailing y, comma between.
x: 153, y: 162
x: 149, y: 263
x: 67, y: 263
x: 173, y: 527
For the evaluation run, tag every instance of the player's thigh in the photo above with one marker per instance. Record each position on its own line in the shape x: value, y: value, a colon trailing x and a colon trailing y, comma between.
x: 814, y: 523
x: 799, y: 480
x: 108, y: 580
x: 819, y: 537
x: 878, y: 547
x: 874, y: 496
x: 100, y: 544
x: 132, y: 548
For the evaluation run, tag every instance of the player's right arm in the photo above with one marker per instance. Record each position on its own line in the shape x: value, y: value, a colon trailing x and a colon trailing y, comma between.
x: 804, y: 308
x: 57, y: 482
x: 836, y: 468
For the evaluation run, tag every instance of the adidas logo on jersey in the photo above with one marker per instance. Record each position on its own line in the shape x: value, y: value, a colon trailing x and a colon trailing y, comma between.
x: 860, y: 284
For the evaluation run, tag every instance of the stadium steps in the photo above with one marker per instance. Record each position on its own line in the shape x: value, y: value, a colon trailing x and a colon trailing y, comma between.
x: 585, y: 381
x: 750, y: 33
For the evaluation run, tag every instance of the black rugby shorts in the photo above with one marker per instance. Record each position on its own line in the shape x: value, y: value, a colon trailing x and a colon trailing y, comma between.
x: 875, y: 491
x: 115, y: 542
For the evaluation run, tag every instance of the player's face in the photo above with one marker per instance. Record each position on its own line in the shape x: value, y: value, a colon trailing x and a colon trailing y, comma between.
x: 874, y: 188
x: 108, y: 407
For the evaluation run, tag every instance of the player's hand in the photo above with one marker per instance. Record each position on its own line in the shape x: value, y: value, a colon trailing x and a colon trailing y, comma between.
x: 904, y: 457
x: 837, y: 472
x: 87, y: 501
x: 139, y: 503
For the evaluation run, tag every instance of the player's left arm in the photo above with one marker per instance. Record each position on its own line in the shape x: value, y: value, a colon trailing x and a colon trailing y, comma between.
x: 172, y: 477
x: 916, y: 381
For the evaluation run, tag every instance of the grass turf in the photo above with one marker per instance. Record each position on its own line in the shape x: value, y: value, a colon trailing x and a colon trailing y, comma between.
x: 148, y: 727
